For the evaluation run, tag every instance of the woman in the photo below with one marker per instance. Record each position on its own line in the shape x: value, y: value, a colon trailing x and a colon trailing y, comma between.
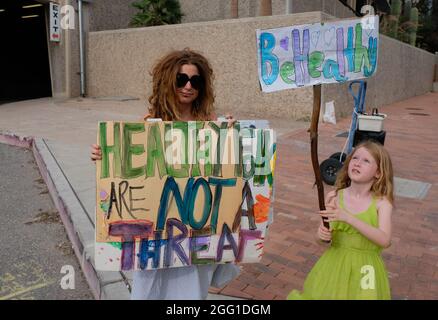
x: 182, y: 91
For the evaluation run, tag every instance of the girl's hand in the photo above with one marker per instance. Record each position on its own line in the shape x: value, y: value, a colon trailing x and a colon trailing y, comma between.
x: 334, y: 213
x: 96, y: 152
x: 324, y: 234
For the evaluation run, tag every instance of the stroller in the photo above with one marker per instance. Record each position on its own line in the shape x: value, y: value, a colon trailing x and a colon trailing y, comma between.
x: 368, y: 129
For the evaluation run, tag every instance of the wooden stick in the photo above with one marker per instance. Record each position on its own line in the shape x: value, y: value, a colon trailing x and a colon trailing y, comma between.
x: 314, y: 147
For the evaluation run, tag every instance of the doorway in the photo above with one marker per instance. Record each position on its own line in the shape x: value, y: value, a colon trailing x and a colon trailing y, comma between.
x: 24, y: 55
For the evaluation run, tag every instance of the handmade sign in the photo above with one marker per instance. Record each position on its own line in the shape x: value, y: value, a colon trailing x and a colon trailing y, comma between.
x: 305, y: 55
x: 173, y: 194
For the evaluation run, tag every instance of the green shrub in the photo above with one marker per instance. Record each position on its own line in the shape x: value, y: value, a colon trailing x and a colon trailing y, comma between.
x: 156, y: 12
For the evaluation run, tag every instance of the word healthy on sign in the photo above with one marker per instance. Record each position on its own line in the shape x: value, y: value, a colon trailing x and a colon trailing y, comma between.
x: 305, y: 55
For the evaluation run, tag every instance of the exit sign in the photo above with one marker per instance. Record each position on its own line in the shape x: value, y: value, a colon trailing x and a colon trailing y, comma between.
x: 55, y: 28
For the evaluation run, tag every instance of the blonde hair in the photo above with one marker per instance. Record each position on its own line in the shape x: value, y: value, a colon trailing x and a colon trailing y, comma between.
x: 164, y: 101
x: 382, y: 186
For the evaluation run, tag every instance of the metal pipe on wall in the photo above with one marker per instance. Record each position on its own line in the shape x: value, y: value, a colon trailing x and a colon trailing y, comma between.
x: 288, y: 6
x: 81, y: 50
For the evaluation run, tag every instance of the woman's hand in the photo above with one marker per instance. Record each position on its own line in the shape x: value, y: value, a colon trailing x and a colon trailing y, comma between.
x: 96, y: 152
x: 323, y: 233
x: 334, y: 213
x: 230, y: 119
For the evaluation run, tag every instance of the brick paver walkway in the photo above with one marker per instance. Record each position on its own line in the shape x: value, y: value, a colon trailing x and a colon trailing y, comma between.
x: 290, y: 250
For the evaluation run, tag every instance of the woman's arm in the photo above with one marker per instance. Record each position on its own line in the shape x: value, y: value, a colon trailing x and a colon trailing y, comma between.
x: 380, y: 236
x: 96, y: 152
x: 147, y: 116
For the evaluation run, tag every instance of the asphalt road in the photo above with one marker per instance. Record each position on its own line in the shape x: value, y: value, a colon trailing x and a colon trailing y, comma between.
x: 36, y: 258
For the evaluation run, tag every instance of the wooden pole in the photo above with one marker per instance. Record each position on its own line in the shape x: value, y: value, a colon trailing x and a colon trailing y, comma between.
x: 314, y: 147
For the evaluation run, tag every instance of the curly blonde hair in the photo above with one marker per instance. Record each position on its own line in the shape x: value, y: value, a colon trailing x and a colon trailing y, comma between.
x: 164, y: 101
x: 384, y: 185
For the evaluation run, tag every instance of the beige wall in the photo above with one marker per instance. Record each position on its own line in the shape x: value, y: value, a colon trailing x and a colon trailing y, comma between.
x: 115, y: 14
x: 110, y: 14
x: 205, y: 10
x: 209, y: 10
x: 119, y: 62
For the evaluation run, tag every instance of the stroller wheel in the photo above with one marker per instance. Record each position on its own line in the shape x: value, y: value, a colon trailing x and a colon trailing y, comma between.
x: 329, y: 168
x: 337, y: 155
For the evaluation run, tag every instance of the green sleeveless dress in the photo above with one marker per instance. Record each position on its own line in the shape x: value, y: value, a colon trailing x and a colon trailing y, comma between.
x: 351, y: 269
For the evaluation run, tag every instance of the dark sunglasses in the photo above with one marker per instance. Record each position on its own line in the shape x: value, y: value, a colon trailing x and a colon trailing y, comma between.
x: 182, y: 79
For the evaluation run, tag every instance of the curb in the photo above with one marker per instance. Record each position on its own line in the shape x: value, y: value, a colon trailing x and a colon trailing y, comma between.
x: 14, y: 140
x: 55, y: 180
x: 80, y: 231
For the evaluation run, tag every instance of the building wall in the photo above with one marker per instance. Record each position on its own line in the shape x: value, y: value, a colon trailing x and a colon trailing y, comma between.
x: 101, y: 15
x: 64, y: 56
x: 207, y: 10
x: 119, y: 62
x: 210, y: 10
x: 110, y: 14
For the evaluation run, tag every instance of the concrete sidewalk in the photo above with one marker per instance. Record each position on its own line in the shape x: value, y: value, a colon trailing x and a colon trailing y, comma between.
x: 62, y: 132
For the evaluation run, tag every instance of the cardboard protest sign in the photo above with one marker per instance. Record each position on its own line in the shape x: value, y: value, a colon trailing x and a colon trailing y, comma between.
x: 172, y: 194
x: 305, y: 55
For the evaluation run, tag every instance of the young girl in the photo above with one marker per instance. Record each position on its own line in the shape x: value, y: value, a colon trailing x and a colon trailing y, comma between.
x: 182, y: 90
x: 359, y: 213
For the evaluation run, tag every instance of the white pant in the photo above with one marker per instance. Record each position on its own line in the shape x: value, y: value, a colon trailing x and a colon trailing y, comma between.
x: 184, y: 283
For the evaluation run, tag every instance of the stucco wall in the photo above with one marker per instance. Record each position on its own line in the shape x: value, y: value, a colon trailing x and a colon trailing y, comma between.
x: 110, y: 14
x: 209, y: 10
x: 119, y: 62
x: 115, y: 14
